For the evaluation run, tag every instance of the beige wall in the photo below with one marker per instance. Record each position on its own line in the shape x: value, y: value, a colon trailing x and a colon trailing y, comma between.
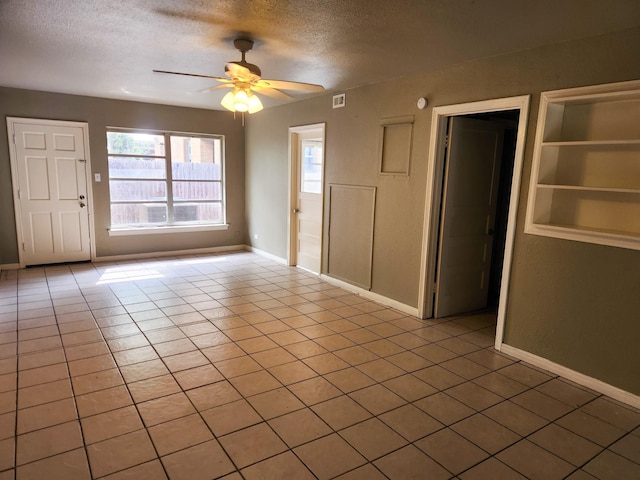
x: 100, y: 113
x: 573, y: 303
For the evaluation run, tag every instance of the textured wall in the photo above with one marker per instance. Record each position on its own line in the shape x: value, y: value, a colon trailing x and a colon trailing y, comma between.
x: 565, y: 297
x: 100, y: 113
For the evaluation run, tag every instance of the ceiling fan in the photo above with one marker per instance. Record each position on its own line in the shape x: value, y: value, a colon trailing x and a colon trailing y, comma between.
x: 245, y: 80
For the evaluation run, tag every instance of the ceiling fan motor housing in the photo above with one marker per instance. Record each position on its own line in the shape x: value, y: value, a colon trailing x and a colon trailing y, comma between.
x: 254, y: 69
x: 244, y: 45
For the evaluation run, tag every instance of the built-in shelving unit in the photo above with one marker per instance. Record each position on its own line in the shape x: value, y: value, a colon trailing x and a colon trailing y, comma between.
x: 585, y: 180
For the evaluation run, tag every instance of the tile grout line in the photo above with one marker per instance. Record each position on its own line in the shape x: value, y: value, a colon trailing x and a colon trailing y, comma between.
x: 75, y: 404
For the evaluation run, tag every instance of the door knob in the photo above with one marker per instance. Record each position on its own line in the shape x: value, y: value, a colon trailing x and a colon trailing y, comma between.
x: 296, y: 210
x: 82, y: 205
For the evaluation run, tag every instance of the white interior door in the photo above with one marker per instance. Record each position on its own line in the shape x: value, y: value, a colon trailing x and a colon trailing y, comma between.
x: 307, y: 201
x: 51, y: 191
x: 468, y: 215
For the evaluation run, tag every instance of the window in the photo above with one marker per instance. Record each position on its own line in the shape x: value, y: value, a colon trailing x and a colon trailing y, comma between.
x: 311, y: 166
x: 165, y: 179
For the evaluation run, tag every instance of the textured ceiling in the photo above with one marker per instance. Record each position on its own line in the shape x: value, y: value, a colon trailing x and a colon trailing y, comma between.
x: 108, y: 48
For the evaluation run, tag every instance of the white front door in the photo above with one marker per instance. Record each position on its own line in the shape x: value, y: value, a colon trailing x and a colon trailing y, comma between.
x: 468, y: 215
x: 49, y: 161
x: 307, y: 180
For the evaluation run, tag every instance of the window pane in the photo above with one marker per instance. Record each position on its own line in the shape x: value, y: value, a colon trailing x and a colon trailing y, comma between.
x: 136, y: 213
x: 196, y: 158
x: 206, y: 213
x: 135, y: 143
x: 312, y: 186
x: 142, y: 190
x: 197, y: 191
x: 311, y: 174
x: 128, y: 167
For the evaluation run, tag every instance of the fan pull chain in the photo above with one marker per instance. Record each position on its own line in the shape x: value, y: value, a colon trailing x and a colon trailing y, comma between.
x: 241, y: 116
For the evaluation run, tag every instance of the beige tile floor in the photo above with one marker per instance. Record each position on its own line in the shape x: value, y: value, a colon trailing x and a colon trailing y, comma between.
x: 233, y: 366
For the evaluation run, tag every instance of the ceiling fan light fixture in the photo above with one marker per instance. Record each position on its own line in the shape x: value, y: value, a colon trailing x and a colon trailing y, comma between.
x: 255, y: 105
x: 228, y: 101
x: 242, y: 100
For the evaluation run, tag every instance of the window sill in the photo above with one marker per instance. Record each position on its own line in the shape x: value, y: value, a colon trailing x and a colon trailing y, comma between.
x: 119, y: 232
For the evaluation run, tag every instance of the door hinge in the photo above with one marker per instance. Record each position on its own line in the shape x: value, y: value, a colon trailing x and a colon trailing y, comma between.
x: 446, y: 141
x: 434, y: 287
x: 23, y: 247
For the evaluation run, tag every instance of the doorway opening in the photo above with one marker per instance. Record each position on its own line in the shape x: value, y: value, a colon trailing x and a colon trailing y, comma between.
x: 306, y: 196
x: 475, y: 163
x: 478, y: 167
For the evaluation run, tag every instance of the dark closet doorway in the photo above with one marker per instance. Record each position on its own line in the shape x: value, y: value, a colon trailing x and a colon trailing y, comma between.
x: 479, y: 155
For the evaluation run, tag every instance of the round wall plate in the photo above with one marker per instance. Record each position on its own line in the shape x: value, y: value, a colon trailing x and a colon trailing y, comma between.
x: 422, y: 103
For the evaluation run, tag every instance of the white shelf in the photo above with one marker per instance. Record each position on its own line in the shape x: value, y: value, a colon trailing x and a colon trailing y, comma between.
x: 594, y: 235
x: 593, y: 143
x: 585, y: 180
x: 583, y: 188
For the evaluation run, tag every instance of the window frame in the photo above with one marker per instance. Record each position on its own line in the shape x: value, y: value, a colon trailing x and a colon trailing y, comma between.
x: 170, y: 226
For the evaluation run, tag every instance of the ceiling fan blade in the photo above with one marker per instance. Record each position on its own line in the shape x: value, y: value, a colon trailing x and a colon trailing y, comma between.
x: 233, y: 70
x: 271, y: 92
x: 285, y: 85
x: 216, y: 87
x: 191, y: 75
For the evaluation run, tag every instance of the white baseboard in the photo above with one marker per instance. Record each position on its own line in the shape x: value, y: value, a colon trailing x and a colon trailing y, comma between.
x: 577, y: 377
x: 268, y: 255
x: 388, y: 302
x: 172, y: 253
x: 9, y: 266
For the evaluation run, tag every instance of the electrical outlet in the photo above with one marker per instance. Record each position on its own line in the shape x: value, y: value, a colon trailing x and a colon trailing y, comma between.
x: 96, y: 177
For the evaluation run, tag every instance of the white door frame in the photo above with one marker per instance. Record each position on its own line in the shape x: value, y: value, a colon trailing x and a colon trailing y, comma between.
x: 433, y: 198
x: 11, y: 121
x: 293, y: 194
